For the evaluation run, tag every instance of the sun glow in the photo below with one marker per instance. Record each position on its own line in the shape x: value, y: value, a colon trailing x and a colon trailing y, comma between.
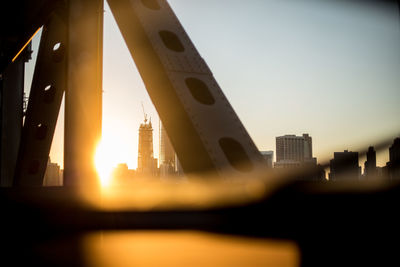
x: 103, y: 165
x: 110, y: 151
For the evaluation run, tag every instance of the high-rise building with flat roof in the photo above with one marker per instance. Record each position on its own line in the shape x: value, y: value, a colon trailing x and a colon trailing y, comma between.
x: 308, y: 153
x: 370, y: 164
x: 289, y: 147
x: 393, y: 166
x: 294, y: 151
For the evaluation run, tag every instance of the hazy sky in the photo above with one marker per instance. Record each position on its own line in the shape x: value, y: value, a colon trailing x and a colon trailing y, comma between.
x: 327, y: 68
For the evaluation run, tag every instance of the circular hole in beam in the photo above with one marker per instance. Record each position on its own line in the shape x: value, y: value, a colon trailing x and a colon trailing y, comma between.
x: 58, y: 52
x: 235, y: 154
x: 56, y: 46
x: 49, y: 94
x: 171, y: 41
x: 200, y: 91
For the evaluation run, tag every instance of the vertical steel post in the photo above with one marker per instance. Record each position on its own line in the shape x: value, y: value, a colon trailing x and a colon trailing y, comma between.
x: 83, y: 98
x: 11, y: 91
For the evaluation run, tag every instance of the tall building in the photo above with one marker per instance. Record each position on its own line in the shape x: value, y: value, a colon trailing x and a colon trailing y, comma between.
x: 344, y: 166
x: 394, y: 151
x: 370, y: 164
x: 294, y: 151
x: 268, y: 157
x: 52, y: 175
x: 307, y: 146
x: 167, y: 154
x: 147, y: 164
x: 393, y: 166
x: 289, y: 147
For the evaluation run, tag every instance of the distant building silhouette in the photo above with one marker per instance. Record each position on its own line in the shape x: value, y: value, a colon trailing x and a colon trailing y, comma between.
x: 393, y: 166
x: 294, y: 151
x: 147, y: 164
x: 167, y: 157
x: 370, y: 169
x: 179, y: 169
x: 53, y: 175
x: 321, y: 174
x: 268, y: 157
x: 122, y: 174
x: 308, y: 152
x: 344, y: 165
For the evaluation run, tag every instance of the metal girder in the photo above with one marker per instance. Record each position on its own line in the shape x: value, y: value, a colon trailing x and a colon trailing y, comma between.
x: 11, y: 113
x: 48, y: 85
x: 203, y: 127
x: 83, y: 98
x: 27, y: 16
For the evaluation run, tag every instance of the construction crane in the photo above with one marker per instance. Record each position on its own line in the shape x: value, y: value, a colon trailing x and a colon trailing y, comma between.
x: 144, y: 113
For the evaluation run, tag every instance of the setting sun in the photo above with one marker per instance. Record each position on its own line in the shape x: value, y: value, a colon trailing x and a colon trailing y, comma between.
x: 110, y: 151
x: 103, y: 164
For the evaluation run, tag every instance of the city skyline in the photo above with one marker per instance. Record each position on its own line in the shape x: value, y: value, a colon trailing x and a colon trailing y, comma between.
x: 322, y: 92
x: 292, y: 152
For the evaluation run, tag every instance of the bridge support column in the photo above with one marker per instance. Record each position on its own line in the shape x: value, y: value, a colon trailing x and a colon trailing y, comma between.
x: 83, y: 99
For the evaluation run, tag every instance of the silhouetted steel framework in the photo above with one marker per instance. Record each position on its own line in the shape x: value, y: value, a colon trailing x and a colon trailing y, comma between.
x: 48, y: 85
x: 333, y: 225
x: 69, y: 60
x: 203, y: 127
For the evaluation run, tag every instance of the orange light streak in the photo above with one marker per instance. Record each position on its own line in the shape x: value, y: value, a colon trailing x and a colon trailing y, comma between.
x: 22, y: 49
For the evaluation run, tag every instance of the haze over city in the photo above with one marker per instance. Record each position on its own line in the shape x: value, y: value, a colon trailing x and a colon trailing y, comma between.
x: 287, y: 67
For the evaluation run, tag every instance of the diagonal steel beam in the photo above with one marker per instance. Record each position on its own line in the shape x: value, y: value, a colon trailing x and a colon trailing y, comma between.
x: 48, y: 85
x: 202, y: 125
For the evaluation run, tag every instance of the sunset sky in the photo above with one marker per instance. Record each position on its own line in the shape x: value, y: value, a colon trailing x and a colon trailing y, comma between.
x: 326, y: 68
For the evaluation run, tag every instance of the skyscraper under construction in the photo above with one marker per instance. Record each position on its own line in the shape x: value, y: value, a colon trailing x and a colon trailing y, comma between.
x: 147, y: 164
